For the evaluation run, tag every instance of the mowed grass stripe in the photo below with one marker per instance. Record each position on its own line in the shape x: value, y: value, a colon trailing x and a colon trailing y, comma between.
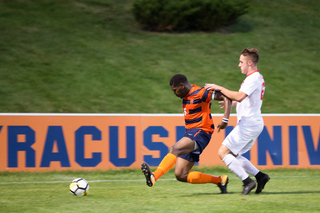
x: 95, y: 181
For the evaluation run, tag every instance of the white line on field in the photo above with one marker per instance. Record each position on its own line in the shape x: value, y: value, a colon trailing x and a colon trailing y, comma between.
x: 94, y: 181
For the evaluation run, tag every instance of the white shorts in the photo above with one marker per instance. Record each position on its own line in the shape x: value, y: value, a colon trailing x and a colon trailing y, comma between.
x: 242, y: 137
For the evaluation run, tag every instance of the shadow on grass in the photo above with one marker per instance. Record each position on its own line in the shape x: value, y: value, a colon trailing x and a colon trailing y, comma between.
x: 240, y: 26
x: 300, y: 192
x: 252, y: 193
x: 206, y: 194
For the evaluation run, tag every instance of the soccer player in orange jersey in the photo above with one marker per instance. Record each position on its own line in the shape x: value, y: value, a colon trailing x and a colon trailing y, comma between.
x: 196, y: 102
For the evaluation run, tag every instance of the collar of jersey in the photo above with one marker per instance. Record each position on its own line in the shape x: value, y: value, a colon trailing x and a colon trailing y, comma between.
x: 253, y: 72
x: 192, y: 89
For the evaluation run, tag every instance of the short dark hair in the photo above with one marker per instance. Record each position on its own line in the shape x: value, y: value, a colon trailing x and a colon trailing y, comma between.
x: 252, y: 53
x: 178, y: 79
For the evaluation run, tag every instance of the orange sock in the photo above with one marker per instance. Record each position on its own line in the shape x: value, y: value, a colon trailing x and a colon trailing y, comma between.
x: 198, y: 178
x: 166, y: 164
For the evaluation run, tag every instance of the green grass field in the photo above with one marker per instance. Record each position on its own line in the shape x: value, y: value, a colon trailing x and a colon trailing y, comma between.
x: 289, y: 190
x: 90, y: 56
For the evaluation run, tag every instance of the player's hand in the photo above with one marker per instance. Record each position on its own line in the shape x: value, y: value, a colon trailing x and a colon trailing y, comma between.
x: 221, y: 104
x: 222, y: 125
x: 213, y: 87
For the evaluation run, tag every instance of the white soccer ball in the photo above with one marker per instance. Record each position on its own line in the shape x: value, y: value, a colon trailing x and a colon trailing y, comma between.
x: 79, y: 187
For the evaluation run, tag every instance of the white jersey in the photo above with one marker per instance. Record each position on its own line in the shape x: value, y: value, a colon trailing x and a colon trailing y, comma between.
x: 254, y: 87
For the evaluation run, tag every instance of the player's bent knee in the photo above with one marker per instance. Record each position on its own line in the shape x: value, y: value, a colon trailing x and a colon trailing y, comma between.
x: 220, y: 154
x: 181, y: 177
x: 223, y: 151
x: 171, y: 149
x: 175, y: 151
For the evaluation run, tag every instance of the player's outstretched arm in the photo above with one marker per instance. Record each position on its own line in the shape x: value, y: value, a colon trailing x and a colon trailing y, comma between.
x: 233, y: 95
x: 227, y: 105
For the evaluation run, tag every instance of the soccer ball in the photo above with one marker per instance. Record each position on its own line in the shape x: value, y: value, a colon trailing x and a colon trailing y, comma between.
x: 79, y: 187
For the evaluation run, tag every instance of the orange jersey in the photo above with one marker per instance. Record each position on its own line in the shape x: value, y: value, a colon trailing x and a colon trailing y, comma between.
x: 196, y: 108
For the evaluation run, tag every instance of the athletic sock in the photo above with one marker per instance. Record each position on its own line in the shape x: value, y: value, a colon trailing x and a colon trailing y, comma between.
x: 166, y: 164
x: 247, y: 181
x: 247, y: 165
x: 235, y: 166
x: 259, y: 175
x: 200, y: 178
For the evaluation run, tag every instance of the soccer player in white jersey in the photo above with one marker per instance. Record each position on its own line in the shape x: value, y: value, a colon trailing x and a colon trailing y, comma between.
x: 248, y: 102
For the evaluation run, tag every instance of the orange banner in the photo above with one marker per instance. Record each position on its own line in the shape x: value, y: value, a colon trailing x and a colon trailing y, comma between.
x: 48, y: 142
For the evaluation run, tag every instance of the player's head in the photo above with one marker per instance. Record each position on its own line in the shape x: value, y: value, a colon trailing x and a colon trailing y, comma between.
x: 180, y: 85
x: 249, y: 59
x: 252, y: 54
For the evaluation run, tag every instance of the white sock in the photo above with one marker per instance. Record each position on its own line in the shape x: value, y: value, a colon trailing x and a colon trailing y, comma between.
x: 235, y: 166
x: 247, y: 165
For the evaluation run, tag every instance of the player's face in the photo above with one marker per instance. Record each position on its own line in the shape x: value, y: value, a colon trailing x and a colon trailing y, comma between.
x: 244, y: 64
x: 179, y: 91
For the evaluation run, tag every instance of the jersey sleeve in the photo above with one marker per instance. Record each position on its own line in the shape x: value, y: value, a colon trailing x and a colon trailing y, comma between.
x: 207, y: 95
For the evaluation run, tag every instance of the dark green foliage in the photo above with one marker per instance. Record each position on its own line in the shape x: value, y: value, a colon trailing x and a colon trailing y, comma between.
x: 185, y: 15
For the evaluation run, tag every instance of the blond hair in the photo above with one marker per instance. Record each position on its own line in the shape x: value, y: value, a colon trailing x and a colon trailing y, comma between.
x: 252, y: 53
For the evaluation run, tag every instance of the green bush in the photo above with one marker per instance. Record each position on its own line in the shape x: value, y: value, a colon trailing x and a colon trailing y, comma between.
x: 188, y: 15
